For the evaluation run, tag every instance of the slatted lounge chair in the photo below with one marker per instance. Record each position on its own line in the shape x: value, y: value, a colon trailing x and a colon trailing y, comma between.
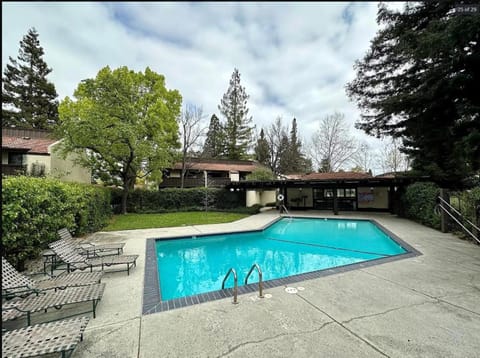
x: 19, y: 307
x: 92, y: 250
x: 16, y: 284
x: 45, y: 338
x: 65, y: 250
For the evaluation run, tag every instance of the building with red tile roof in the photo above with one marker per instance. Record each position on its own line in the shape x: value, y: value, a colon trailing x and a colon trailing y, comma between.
x: 31, y: 151
x: 209, y: 172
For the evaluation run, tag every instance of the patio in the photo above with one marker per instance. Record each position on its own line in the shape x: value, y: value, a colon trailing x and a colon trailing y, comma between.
x: 424, y: 306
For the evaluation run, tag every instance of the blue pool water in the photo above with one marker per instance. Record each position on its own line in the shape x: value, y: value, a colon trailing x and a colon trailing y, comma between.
x: 288, y: 247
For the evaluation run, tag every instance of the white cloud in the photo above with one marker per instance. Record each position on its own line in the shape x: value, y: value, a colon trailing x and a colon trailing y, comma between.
x: 294, y: 58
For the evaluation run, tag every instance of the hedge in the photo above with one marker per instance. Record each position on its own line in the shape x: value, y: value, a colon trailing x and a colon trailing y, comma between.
x: 419, y: 202
x: 174, y: 199
x: 33, y: 209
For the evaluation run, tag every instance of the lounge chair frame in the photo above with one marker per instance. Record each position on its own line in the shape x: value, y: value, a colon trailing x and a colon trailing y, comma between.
x: 16, y: 284
x: 89, y: 249
x: 65, y: 250
x: 52, y: 299
x: 45, y: 338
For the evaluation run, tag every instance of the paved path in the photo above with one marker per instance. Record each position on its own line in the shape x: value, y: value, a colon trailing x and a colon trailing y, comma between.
x: 426, y: 306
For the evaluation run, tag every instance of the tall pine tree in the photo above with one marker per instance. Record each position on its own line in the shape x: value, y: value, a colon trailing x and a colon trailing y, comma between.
x: 238, y: 132
x: 420, y: 81
x: 28, y: 98
x: 215, y: 141
x: 292, y: 159
x: 262, y: 151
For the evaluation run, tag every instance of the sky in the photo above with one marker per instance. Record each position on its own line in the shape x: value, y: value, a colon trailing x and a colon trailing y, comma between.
x: 294, y: 58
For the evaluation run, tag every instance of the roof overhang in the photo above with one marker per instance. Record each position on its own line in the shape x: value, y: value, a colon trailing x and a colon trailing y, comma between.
x: 322, y: 183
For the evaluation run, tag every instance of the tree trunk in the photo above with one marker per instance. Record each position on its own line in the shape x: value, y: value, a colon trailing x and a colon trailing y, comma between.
x: 124, y: 200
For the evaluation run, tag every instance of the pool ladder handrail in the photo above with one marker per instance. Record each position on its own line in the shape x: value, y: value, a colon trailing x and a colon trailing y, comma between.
x: 235, y: 283
x: 286, y: 211
x: 260, y: 286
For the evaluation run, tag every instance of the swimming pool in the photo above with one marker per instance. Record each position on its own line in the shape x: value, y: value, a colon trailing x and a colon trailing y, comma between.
x: 289, y: 249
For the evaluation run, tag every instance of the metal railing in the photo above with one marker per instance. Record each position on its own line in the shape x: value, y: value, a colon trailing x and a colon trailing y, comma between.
x: 260, y: 286
x: 235, y: 283
x: 443, y: 202
x: 284, y: 209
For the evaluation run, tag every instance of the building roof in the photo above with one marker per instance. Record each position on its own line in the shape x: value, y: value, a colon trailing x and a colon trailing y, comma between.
x: 31, y: 141
x: 220, y: 165
x: 291, y: 176
x: 392, y: 174
x: 335, y: 176
x: 27, y: 144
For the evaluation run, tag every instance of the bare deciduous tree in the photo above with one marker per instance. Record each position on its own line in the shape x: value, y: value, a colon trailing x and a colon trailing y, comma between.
x: 191, y: 130
x: 363, y: 158
x: 332, y: 147
x: 276, y: 136
x: 392, y: 159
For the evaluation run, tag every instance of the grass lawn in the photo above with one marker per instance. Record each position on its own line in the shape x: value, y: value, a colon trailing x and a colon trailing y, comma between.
x: 149, y: 221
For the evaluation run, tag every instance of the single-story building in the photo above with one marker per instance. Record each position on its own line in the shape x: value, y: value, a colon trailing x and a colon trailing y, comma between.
x: 208, y: 173
x: 345, y: 191
x: 31, y: 151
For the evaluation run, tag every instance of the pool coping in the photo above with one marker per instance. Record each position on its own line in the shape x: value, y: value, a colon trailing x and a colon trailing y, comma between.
x: 152, y: 300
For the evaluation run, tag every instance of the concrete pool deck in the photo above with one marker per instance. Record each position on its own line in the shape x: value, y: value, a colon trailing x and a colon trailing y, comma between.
x: 425, y: 306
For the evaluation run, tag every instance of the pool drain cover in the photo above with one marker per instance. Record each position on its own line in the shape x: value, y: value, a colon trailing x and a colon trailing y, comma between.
x: 268, y: 295
x: 291, y: 290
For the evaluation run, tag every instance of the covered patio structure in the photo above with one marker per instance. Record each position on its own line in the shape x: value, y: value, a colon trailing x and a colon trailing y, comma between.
x: 329, y: 191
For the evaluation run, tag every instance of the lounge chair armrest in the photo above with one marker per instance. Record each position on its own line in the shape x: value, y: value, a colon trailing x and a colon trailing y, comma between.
x: 20, y: 291
x: 33, y: 274
x: 11, y: 306
x: 89, y: 244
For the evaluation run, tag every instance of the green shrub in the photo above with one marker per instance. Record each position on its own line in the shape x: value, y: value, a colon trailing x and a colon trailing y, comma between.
x: 33, y: 209
x: 261, y: 174
x: 174, y: 199
x: 419, y: 201
x: 254, y: 209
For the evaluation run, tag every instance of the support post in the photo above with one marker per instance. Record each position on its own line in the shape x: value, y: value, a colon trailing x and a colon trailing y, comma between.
x: 391, y: 199
x: 443, y: 215
x: 477, y: 219
x: 335, y: 201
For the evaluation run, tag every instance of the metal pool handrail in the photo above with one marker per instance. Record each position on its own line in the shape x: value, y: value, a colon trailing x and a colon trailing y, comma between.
x: 235, y: 283
x: 260, y: 288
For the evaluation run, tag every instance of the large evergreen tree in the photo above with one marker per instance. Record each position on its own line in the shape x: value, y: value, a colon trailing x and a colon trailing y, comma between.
x: 420, y: 81
x: 238, y: 130
x: 28, y: 98
x: 283, y: 160
x: 293, y: 160
x: 215, y: 142
x: 262, y: 151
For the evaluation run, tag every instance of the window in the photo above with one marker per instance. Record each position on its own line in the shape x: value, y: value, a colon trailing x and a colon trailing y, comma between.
x: 328, y: 193
x: 350, y: 193
x: 341, y: 193
x: 15, y: 158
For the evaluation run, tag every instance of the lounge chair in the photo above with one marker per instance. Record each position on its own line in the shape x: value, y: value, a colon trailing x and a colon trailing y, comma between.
x: 45, y: 338
x: 42, y: 301
x: 16, y: 284
x: 92, y: 250
x: 66, y: 251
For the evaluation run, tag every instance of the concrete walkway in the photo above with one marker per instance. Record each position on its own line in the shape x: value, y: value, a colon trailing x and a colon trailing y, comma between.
x: 426, y: 306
